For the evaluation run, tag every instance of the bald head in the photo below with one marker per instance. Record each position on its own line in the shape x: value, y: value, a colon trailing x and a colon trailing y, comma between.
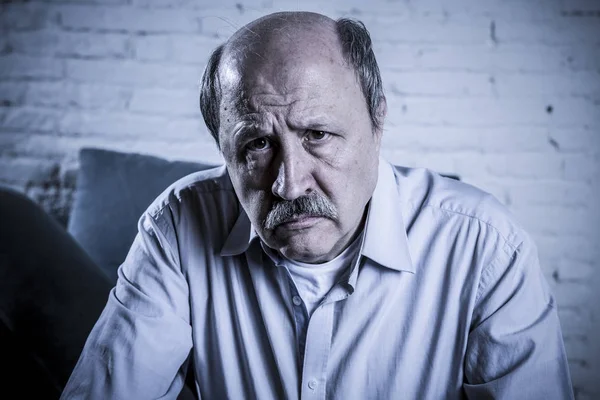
x: 284, y: 35
x: 275, y: 43
x: 283, y: 48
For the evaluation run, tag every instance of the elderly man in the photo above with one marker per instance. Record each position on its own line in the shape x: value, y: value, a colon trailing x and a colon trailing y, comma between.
x: 307, y: 267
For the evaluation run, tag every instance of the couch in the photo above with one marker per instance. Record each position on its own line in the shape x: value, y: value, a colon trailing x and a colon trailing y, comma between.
x: 54, y: 282
x: 113, y: 190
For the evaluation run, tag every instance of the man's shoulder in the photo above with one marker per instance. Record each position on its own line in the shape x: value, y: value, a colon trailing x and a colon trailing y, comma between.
x: 207, y: 186
x: 422, y: 189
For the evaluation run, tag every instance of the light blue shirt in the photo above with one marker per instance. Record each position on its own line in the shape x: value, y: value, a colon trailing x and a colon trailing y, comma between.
x: 445, y: 301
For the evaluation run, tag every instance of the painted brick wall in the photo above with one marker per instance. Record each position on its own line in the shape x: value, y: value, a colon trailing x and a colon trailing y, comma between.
x: 504, y: 93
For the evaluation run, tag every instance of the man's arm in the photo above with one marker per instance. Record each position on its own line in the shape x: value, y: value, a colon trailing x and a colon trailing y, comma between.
x: 139, y: 347
x: 515, y: 348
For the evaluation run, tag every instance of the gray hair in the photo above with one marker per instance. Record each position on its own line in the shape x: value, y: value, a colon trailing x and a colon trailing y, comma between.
x: 311, y: 205
x: 357, y: 50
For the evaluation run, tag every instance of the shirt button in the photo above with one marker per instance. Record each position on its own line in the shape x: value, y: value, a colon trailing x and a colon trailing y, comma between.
x: 296, y: 300
x: 312, y: 384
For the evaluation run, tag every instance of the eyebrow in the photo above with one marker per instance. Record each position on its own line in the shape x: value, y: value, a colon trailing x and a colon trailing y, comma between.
x: 250, y: 127
x: 244, y: 130
x: 315, y: 121
x: 317, y: 126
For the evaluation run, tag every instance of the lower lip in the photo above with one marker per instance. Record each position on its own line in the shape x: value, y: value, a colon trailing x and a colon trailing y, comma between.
x: 301, y: 223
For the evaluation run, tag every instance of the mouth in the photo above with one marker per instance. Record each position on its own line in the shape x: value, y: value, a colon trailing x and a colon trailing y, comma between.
x: 301, y: 222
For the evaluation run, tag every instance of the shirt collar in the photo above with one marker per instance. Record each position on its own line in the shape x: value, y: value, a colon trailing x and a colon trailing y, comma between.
x: 385, y: 240
x: 240, y: 237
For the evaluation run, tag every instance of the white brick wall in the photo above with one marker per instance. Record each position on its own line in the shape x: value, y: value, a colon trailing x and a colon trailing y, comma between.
x: 504, y: 93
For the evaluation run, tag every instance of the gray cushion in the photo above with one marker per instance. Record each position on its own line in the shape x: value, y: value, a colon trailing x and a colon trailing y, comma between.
x: 113, y: 190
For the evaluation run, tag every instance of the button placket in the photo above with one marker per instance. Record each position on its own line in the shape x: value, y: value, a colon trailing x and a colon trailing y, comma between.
x: 296, y: 300
x: 300, y: 319
x: 316, y: 354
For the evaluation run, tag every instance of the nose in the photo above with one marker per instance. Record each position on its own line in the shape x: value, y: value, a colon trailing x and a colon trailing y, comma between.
x: 294, y: 177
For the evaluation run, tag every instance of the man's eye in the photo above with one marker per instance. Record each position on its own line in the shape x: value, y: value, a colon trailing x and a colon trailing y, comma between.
x: 317, y: 135
x: 259, y: 144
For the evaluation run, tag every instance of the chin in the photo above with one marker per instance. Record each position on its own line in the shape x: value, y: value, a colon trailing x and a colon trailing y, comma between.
x: 307, y: 244
x: 310, y: 250
x: 294, y: 246
x: 305, y: 255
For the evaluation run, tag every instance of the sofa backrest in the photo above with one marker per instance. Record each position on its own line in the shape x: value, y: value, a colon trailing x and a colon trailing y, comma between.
x: 113, y: 190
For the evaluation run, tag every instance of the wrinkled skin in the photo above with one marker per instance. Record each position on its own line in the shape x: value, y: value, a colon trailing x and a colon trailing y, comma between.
x: 294, y: 121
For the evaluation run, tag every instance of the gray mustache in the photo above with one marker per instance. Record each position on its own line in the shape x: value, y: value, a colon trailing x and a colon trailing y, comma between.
x: 312, y: 205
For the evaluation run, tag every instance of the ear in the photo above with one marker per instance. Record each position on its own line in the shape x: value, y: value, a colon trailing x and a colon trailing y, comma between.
x: 382, y: 109
x: 381, y: 114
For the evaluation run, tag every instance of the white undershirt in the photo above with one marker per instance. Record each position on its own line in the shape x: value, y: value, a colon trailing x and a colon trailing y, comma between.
x: 314, y: 281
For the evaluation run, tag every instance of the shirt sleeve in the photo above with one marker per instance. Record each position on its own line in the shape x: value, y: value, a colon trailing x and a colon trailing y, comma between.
x: 515, y: 348
x: 139, y: 347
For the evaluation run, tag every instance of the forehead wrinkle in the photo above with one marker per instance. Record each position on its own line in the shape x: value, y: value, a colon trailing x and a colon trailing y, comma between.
x: 260, y: 101
x: 305, y: 118
x: 253, y: 121
x: 295, y: 113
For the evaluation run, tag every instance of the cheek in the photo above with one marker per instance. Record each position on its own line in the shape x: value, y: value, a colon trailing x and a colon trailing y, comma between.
x: 251, y: 164
x: 255, y: 203
x: 251, y: 191
x: 342, y: 173
x: 257, y: 165
x: 249, y: 172
x: 357, y: 179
